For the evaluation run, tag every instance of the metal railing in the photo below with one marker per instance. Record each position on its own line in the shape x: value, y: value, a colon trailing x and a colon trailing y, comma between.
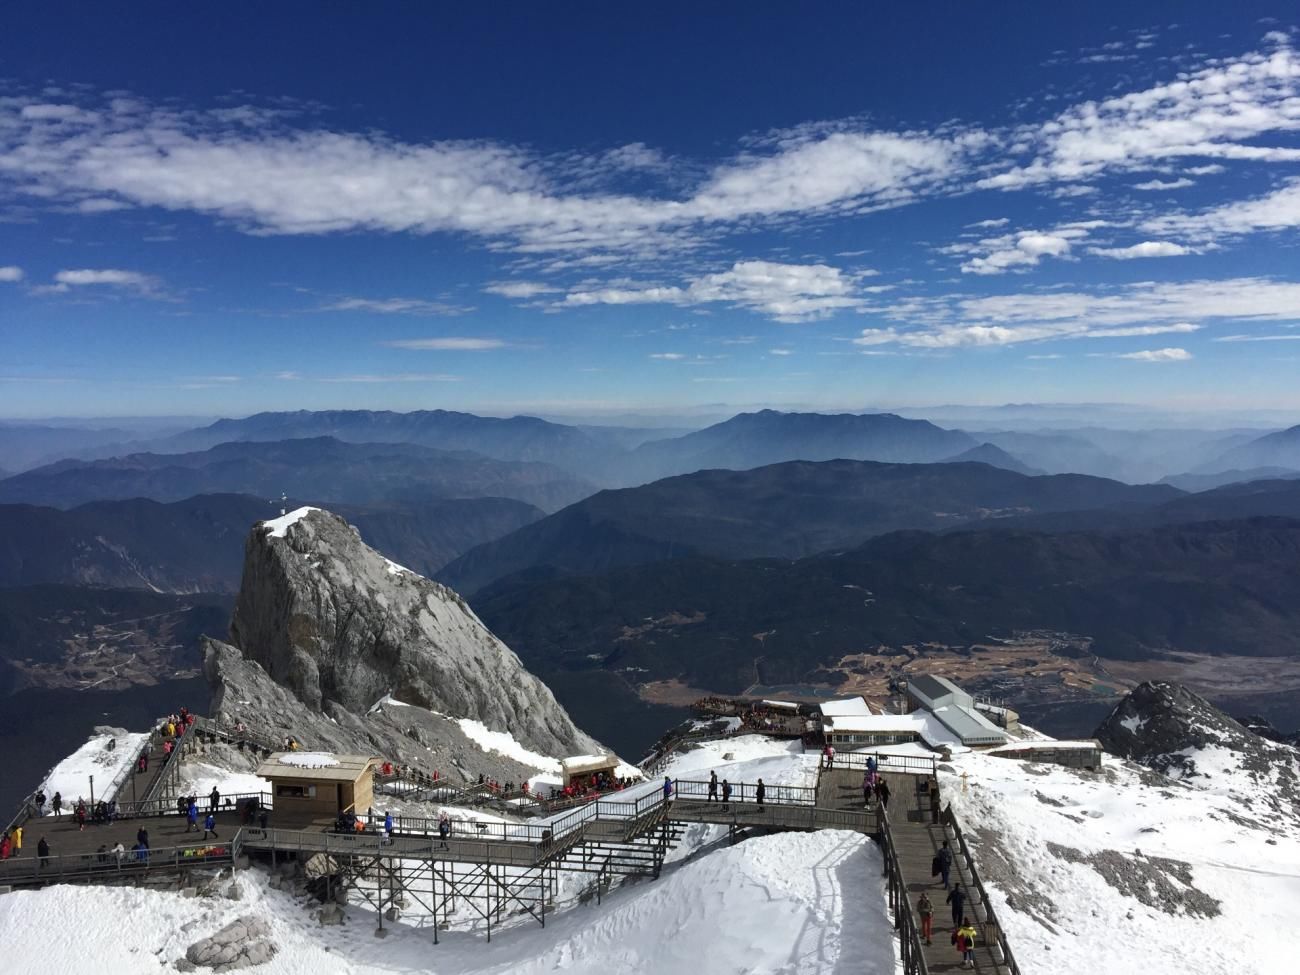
x: 776, y: 795
x: 151, y: 808
x: 903, y: 764
x: 909, y: 937
x: 993, y: 932
x: 101, y: 867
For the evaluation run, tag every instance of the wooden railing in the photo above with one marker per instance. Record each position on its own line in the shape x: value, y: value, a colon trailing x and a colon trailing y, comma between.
x: 107, y: 866
x: 993, y: 932
x: 903, y: 764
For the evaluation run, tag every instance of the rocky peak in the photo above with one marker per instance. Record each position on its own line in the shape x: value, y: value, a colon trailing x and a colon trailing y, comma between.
x: 1178, y: 733
x: 339, y: 625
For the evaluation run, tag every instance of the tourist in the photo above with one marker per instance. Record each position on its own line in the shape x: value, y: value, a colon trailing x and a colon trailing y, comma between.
x: 966, y: 943
x: 945, y: 864
x: 214, y: 799
x: 210, y: 826
x: 726, y: 794
x: 760, y: 791
x: 871, y: 764
x: 142, y: 763
x: 388, y: 828
x: 957, y: 898
x: 261, y: 818
x: 81, y: 815
x: 934, y: 801
x: 713, y: 786
x: 18, y: 840
x: 866, y: 789
x: 141, y: 852
x: 43, y: 851
x: 6, y: 847
x: 56, y: 803
x: 142, y: 837
x: 925, y: 910
x: 119, y: 851
x: 192, y: 817
x: 444, y: 830
x: 40, y: 802
x: 668, y: 790
x: 882, y: 792
x: 102, y: 853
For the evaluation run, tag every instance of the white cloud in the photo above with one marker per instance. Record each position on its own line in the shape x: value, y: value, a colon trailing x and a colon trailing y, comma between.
x: 992, y: 224
x: 250, y: 167
x: 449, y: 344
x: 1020, y: 250
x: 65, y: 281
x: 520, y: 289
x: 1213, y: 169
x: 395, y: 306
x: 1146, y: 308
x: 1148, y: 248
x: 11, y: 273
x: 1163, y: 184
x: 1157, y: 355
x: 1279, y: 210
x: 780, y: 351
x: 786, y: 292
x: 1258, y: 338
x: 1220, y: 111
x: 669, y: 356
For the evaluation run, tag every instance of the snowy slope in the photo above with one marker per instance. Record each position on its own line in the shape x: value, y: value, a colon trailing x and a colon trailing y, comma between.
x: 105, y: 755
x: 1126, y: 870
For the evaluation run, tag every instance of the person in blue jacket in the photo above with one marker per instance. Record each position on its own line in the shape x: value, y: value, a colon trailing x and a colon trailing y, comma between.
x: 210, y: 826
x: 192, y: 815
x: 668, y: 789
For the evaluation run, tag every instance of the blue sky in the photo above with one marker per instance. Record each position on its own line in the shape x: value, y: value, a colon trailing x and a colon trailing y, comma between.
x: 588, y: 207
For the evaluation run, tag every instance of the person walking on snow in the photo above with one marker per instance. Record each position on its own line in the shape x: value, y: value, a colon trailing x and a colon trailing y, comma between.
x: 760, y: 791
x: 210, y: 826
x: 713, y: 786
x: 945, y: 864
x: 925, y: 910
x: 957, y: 898
x: 966, y: 943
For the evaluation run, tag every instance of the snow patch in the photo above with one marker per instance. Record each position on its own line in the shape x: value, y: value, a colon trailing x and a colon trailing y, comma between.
x: 278, y: 527
x: 104, y: 755
x: 309, y: 759
x: 504, y: 743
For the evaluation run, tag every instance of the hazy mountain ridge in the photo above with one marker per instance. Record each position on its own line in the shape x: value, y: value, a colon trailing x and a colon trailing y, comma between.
x: 322, y: 467
x: 1212, y: 587
x: 196, y: 545
x: 791, y: 510
x: 1280, y: 449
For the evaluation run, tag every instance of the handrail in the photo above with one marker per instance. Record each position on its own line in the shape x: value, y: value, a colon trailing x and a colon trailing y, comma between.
x: 777, y: 795
x: 909, y: 938
x: 127, y: 770
x: 949, y: 818
x: 73, y: 866
x: 885, y: 762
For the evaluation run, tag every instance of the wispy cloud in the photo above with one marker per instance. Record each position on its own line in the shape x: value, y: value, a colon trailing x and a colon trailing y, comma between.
x: 1159, y: 185
x: 145, y: 285
x: 448, y: 344
x: 1147, y: 308
x: 1258, y: 338
x: 520, y: 289
x: 401, y: 377
x: 1155, y: 355
x: 785, y: 292
x: 396, y: 306
x: 11, y: 273
x: 1148, y: 248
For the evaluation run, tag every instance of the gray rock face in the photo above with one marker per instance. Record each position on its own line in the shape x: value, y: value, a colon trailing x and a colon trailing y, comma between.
x: 1177, y: 733
x: 340, y: 626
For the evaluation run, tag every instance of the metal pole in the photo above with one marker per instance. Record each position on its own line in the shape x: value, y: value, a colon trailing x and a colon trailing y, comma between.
x: 92, y: 791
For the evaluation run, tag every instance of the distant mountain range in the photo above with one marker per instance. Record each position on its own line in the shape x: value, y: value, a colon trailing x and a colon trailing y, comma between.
x: 784, y: 510
x: 1211, y: 587
x: 1208, y: 482
x: 197, y: 545
x: 1281, y: 449
x: 987, y: 453
x: 322, y: 468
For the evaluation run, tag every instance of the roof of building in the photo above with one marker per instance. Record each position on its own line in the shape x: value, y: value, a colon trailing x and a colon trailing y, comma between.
x: 844, y: 706
x: 1047, y: 745
x: 879, y: 723
x: 933, y: 689
x: 578, y: 764
x: 787, y: 705
x: 969, y: 725
x: 316, y: 766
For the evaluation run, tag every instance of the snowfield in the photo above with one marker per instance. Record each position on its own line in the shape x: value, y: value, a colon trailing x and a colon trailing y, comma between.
x: 1125, y: 870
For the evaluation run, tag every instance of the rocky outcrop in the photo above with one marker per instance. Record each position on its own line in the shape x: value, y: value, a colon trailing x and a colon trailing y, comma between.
x: 341, y: 627
x: 1179, y: 734
x: 243, y: 693
x: 243, y: 943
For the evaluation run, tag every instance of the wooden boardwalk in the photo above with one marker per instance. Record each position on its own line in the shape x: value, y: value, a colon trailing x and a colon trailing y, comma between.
x: 917, y: 840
